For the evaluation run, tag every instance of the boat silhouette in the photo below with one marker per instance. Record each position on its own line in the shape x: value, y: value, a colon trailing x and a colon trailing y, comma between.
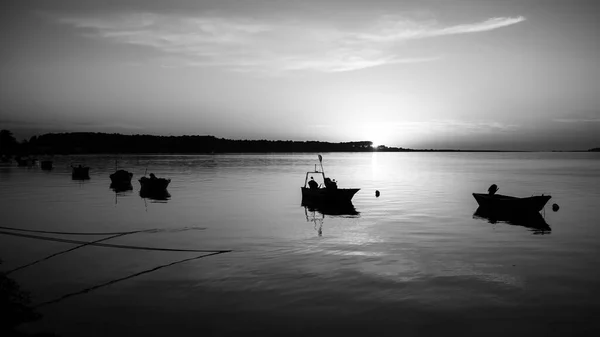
x: 327, y: 192
x: 121, y: 177
x: 498, y: 203
x: 80, y: 172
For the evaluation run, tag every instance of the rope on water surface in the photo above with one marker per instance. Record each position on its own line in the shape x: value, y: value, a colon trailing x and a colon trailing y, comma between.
x: 63, y: 252
x: 92, y: 243
x: 87, y: 290
x: 104, y: 233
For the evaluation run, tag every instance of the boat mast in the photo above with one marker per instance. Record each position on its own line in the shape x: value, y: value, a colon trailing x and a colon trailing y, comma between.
x: 321, y: 162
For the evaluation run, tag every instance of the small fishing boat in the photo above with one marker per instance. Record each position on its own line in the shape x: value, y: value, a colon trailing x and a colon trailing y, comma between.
x: 80, y: 172
x: 313, y: 193
x: 503, y: 203
x: 153, y: 184
x: 121, y: 177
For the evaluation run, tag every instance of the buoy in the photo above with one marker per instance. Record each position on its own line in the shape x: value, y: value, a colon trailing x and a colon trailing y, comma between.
x: 555, y: 207
x: 377, y: 193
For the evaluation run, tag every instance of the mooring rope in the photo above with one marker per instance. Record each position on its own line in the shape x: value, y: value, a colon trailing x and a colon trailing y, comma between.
x: 103, y: 233
x: 87, y: 290
x: 59, y: 253
x: 92, y: 243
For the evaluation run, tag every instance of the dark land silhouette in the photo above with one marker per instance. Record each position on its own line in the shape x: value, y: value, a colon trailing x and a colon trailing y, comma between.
x: 89, y: 142
x: 96, y: 143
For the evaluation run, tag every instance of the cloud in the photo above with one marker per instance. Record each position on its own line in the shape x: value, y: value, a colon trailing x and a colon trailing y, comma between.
x: 277, y: 45
x: 457, y: 126
x: 577, y: 120
x: 395, y: 29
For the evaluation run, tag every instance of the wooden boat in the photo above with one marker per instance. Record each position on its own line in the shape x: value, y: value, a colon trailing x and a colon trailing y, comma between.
x: 504, y: 203
x: 153, y: 184
x: 329, y: 194
x: 121, y: 177
x: 80, y: 172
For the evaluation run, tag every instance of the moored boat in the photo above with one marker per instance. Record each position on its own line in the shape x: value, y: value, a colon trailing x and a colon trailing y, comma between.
x: 153, y: 184
x: 121, y: 177
x: 313, y: 193
x: 504, y: 203
x: 80, y: 172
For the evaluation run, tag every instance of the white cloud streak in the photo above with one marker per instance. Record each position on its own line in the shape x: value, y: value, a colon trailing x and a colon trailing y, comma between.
x: 577, y: 120
x: 245, y: 44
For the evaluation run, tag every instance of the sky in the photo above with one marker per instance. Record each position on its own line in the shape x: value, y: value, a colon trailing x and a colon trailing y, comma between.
x: 446, y: 74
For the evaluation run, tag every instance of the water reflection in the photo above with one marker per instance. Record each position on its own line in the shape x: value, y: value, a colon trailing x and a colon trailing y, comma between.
x: 159, y: 196
x: 315, y: 213
x: 339, y: 209
x: 531, y: 220
x: 121, y: 187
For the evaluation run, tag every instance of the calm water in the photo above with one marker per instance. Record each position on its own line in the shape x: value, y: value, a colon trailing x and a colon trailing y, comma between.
x: 414, y: 261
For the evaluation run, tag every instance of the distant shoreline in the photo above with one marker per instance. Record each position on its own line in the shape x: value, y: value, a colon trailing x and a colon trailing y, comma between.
x: 114, y: 143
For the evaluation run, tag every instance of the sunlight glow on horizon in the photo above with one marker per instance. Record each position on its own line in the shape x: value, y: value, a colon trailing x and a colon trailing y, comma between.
x: 467, y: 74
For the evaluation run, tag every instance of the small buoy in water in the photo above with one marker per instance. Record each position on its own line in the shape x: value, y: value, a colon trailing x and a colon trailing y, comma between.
x: 377, y: 193
x: 555, y: 207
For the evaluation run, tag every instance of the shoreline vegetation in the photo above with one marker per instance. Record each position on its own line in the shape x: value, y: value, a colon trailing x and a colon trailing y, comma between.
x: 105, y: 143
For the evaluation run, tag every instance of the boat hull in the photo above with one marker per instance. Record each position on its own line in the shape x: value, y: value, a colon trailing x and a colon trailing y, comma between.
x: 154, y: 185
x: 325, y: 195
x: 121, y: 177
x: 503, y: 203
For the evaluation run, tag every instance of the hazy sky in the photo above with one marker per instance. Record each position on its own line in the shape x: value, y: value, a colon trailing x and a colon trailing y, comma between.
x: 470, y: 74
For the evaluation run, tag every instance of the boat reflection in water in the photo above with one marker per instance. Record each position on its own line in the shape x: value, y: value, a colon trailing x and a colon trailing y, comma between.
x: 315, y: 212
x: 155, y: 195
x: 121, y: 187
x: 532, y: 220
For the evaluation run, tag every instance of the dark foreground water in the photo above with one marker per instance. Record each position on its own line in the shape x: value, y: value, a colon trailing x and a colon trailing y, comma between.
x: 414, y: 261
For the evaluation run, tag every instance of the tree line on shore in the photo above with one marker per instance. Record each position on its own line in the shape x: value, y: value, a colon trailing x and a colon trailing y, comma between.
x: 95, y: 143
x: 91, y: 142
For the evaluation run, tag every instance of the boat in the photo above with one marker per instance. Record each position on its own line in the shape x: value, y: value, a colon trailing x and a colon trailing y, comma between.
x: 153, y: 184
x: 46, y: 164
x: 313, y: 193
x: 80, y: 172
x: 504, y: 203
x: 121, y: 177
